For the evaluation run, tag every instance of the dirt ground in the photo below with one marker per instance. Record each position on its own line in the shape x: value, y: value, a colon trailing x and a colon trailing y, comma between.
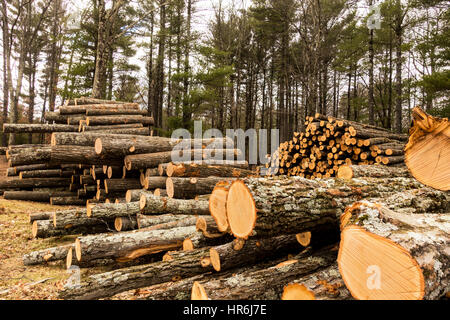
x: 27, y: 282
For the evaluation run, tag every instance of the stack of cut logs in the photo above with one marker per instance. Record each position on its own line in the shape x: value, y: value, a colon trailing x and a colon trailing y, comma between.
x: 328, y: 143
x: 66, y: 174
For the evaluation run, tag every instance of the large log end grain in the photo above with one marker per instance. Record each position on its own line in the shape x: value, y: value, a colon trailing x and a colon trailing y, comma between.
x: 427, y: 153
x: 241, y: 210
x: 217, y: 205
x: 388, y: 255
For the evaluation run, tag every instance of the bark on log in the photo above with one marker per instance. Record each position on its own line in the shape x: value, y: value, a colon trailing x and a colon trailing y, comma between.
x: 135, y: 194
x: 67, y: 201
x: 125, y: 246
x: 195, y: 170
x: 112, y: 210
x: 106, y: 120
x: 34, y: 183
x: 120, y: 185
x: 374, y: 171
x: 151, y: 160
x: 151, y: 204
x: 37, y: 196
x: 40, y: 216
x: 32, y: 167
x: 190, y: 187
x: 270, y: 206
x: 38, y: 128
x: 406, y: 256
x: 124, y: 131
x: 46, y: 255
x: 154, y: 182
x: 85, y: 128
x: 264, y: 284
x: 45, y: 229
x: 165, y: 221
x: 83, y: 109
x: 182, y: 264
x: 326, y: 284
x: 86, y: 101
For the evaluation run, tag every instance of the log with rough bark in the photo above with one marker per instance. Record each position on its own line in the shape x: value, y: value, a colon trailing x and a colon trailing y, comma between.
x: 67, y: 201
x: 181, y: 264
x: 63, y: 154
x: 88, y: 138
x: 135, y: 194
x: 270, y: 206
x: 46, y: 255
x: 112, y: 210
x: 427, y: 153
x: 87, y: 100
x: 153, y: 182
x: 165, y: 221
x: 405, y: 256
x: 126, y: 246
x: 118, y: 119
x: 37, y: 196
x: 73, y: 218
x: 151, y: 204
x: 46, y: 229
x: 84, y: 128
x: 120, y: 185
x: 34, y: 183
x: 38, y: 128
x: 151, y: 160
x: 374, y: 171
x: 326, y: 284
x: 190, y: 187
x: 264, y: 284
x: 145, y: 131
x: 202, y: 170
x: 44, y: 173
x: 33, y: 167
x: 41, y: 216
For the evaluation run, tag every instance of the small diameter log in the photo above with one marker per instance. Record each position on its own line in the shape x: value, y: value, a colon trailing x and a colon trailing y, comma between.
x: 190, y: 187
x: 202, y: 170
x: 67, y: 201
x: 40, y: 173
x: 151, y: 204
x: 165, y: 221
x: 32, y: 167
x: 145, y: 131
x: 326, y: 284
x: 120, y: 185
x: 405, y: 256
x: 126, y: 246
x: 125, y: 223
x: 150, y: 160
x: 270, y: 206
x: 38, y: 128
x: 34, y: 183
x: 105, y: 120
x: 38, y: 196
x: 112, y: 210
x: 85, y: 128
x: 85, y: 104
x: 374, y: 171
x: 135, y: 194
x: 266, y: 284
x: 151, y: 183
x: 46, y: 229
x: 41, y: 216
x: 199, y: 240
x: 115, y: 111
x: 160, y: 192
x: 46, y: 255
x: 181, y: 264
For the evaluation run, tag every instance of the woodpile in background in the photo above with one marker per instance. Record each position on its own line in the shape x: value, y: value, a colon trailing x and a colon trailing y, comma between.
x: 328, y: 143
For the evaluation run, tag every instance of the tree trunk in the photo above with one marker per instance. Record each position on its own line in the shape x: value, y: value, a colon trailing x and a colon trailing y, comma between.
x: 196, y: 170
x: 188, y: 188
x: 151, y: 204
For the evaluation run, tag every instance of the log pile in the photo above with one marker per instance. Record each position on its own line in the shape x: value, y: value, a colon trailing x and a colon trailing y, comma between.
x: 328, y: 143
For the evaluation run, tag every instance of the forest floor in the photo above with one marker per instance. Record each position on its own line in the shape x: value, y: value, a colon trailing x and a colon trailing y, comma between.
x: 17, y: 281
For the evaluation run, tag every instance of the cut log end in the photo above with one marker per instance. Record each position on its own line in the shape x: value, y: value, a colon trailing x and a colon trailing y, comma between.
x: 188, y: 245
x: 169, y: 169
x: 128, y: 197
x: 385, y: 280
x: 198, y: 292
x: 217, y: 207
x: 170, y: 188
x: 118, y: 223
x: 345, y: 172
x: 78, y: 249
x: 304, y: 238
x: 295, y: 291
x: 215, y: 259
x: 142, y: 202
x: 34, y: 229
x: 241, y: 210
x: 69, y: 258
x: 98, y: 146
